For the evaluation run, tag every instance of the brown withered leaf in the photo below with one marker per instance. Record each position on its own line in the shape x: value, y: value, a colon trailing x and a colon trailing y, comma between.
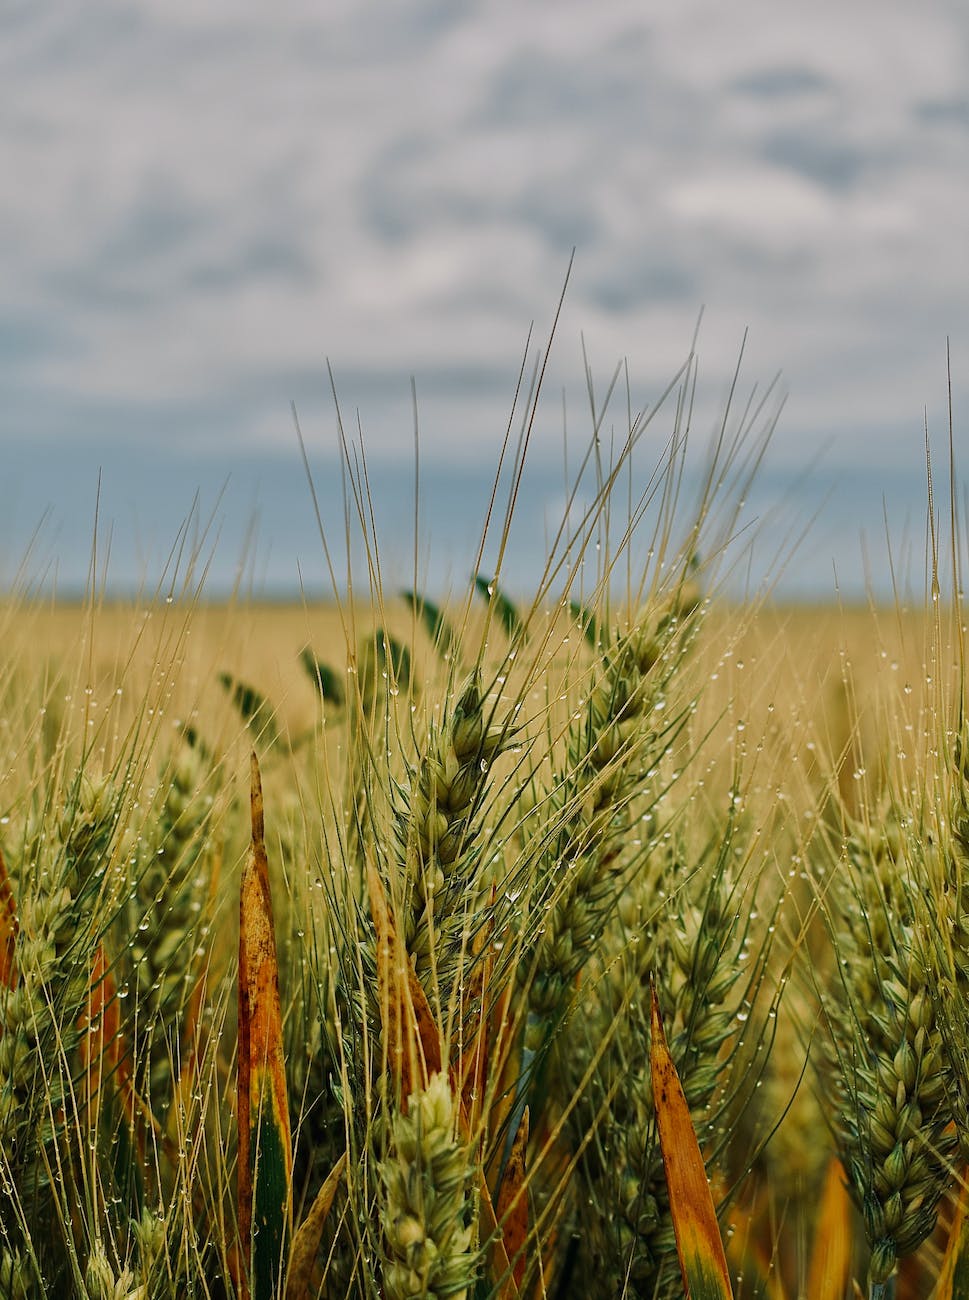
x: 703, y: 1263
x: 513, y: 1209
x: 306, y: 1242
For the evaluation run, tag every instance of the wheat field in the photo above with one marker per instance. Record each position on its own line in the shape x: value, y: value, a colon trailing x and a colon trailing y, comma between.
x: 610, y: 939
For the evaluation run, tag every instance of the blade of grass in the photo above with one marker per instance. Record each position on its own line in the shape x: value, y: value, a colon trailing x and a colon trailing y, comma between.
x: 265, y: 1149
x: 195, y: 741
x: 438, y: 628
x: 256, y: 711
x: 703, y: 1263
x: 306, y: 1242
x: 384, y: 657
x: 586, y: 618
x: 324, y: 678
x: 508, y: 615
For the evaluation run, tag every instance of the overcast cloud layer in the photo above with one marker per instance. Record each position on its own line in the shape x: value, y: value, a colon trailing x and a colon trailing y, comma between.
x: 200, y: 202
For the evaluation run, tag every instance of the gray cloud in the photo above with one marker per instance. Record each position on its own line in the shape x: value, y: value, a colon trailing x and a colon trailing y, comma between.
x: 199, y: 203
x: 819, y: 158
x: 944, y: 112
x: 785, y: 81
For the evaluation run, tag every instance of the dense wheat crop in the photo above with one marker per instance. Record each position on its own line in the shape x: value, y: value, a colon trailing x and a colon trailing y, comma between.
x: 606, y: 939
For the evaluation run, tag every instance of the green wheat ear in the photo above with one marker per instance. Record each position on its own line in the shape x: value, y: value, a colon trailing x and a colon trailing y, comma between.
x: 427, y: 1207
x: 171, y: 881
x: 439, y: 833
x: 684, y: 922
x: 613, y: 745
x: 62, y: 881
x: 886, y: 1054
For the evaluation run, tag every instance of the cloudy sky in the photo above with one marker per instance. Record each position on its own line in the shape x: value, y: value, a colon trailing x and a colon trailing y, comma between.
x: 202, y: 203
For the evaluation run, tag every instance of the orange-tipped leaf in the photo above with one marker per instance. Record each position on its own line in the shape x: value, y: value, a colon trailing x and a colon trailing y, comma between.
x: 829, y: 1274
x: 703, y: 1263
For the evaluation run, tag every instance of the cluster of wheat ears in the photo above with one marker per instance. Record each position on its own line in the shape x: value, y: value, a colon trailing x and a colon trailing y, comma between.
x: 532, y: 973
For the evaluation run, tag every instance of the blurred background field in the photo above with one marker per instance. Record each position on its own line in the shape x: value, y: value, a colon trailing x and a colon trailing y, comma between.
x: 799, y: 675
x: 803, y: 698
